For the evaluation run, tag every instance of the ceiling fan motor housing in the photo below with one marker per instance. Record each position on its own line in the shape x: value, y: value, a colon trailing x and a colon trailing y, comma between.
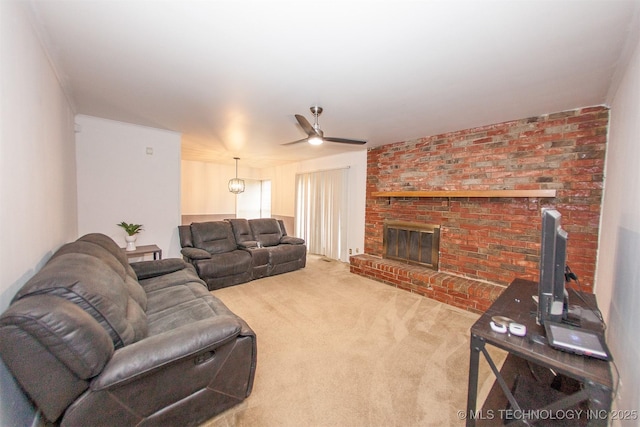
x: 315, y: 135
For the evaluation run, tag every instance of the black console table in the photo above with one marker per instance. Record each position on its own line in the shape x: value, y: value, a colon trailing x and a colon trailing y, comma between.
x: 516, y: 302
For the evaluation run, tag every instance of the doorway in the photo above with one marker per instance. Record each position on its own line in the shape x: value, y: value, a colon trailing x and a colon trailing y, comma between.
x: 255, y: 201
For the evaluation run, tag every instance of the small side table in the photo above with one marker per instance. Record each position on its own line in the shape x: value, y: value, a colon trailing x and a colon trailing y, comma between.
x: 143, y: 250
x: 516, y: 303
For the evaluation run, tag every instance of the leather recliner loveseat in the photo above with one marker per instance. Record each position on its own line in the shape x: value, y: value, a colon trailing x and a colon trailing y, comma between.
x: 235, y: 251
x: 96, y: 341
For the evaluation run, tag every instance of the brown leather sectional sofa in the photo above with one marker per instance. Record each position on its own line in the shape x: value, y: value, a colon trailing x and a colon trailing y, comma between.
x: 234, y: 251
x: 96, y: 341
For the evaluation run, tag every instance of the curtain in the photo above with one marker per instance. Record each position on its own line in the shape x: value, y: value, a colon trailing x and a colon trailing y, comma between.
x: 321, y: 211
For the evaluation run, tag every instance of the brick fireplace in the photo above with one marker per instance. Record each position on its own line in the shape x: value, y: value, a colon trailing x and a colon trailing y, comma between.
x: 412, y: 242
x: 486, y: 242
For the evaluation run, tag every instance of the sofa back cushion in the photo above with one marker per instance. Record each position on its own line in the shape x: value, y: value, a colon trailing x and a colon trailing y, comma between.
x: 85, y: 247
x: 96, y: 288
x: 266, y: 231
x: 282, y: 227
x: 107, y: 243
x: 241, y: 230
x: 215, y: 237
x: 184, y: 232
x: 130, y: 280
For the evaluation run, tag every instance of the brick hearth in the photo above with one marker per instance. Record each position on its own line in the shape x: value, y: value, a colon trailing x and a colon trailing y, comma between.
x: 471, y: 295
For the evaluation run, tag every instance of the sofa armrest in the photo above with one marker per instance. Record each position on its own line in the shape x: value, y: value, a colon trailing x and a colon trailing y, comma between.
x: 248, y: 244
x: 195, y: 253
x: 148, y: 269
x: 290, y: 240
x: 195, y: 340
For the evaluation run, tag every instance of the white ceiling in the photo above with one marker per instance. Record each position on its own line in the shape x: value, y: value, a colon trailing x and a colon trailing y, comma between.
x: 230, y: 75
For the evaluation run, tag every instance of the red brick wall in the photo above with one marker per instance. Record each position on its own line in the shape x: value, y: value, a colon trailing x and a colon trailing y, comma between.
x: 497, y: 239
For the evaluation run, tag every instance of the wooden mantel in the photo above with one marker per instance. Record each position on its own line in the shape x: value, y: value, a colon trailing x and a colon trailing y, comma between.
x: 467, y: 193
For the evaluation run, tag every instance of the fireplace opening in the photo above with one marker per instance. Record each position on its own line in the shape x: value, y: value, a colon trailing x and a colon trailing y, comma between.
x: 411, y: 242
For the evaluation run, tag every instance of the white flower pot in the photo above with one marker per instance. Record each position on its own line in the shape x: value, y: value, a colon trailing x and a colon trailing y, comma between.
x: 131, y: 242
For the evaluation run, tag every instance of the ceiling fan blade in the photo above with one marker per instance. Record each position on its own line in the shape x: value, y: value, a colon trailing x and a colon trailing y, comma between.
x: 306, y: 125
x: 344, y: 140
x: 296, y: 142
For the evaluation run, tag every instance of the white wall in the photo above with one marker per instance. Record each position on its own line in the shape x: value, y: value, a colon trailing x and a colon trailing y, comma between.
x: 37, y: 173
x: 618, y: 269
x: 205, y: 187
x: 283, y: 190
x: 119, y: 181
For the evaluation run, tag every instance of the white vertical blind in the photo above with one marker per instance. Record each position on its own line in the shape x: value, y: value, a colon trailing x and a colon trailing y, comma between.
x: 321, y: 211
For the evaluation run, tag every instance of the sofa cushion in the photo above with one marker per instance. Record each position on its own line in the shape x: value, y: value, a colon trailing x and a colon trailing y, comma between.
x: 184, y: 232
x: 266, y: 231
x: 90, y: 284
x: 282, y: 227
x: 242, y: 232
x: 108, y: 243
x: 215, y: 237
x: 177, y: 306
x: 136, y: 292
x: 88, y: 248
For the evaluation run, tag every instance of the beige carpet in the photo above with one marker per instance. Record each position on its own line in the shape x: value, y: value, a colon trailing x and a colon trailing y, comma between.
x: 337, y: 349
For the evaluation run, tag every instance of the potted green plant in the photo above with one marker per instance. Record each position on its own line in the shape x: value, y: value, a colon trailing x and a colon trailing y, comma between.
x: 132, y: 230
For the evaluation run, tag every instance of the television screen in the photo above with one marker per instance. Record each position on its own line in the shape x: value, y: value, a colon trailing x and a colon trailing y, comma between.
x: 553, y: 250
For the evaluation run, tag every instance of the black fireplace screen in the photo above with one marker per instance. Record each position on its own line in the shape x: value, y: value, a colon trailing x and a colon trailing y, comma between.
x: 411, y: 242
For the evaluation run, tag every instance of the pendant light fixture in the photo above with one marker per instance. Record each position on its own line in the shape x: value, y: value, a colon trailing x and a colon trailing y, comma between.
x: 236, y: 185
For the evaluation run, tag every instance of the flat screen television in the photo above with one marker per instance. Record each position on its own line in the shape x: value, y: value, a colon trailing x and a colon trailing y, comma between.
x: 552, y: 297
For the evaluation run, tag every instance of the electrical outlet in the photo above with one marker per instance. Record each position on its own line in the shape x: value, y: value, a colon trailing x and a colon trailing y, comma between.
x: 350, y: 251
x: 357, y: 250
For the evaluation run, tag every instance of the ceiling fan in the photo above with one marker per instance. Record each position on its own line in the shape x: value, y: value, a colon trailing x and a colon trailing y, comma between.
x: 315, y: 136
